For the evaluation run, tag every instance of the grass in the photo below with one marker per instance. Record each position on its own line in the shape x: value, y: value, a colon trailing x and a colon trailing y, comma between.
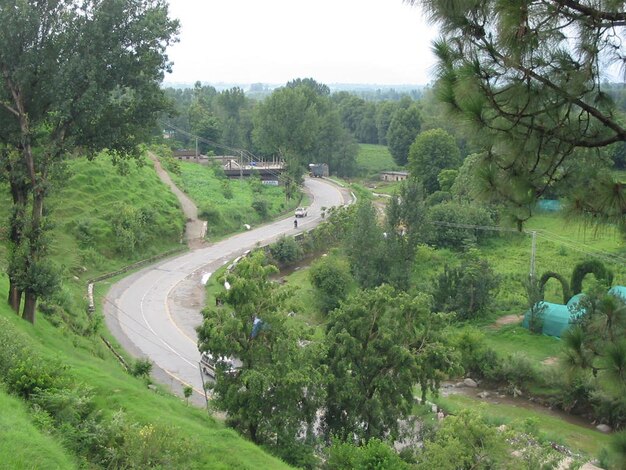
x: 581, y: 439
x: 372, y: 159
x: 96, y: 193
x: 208, y: 442
x: 23, y: 445
x: 228, y: 204
x: 92, y: 197
x: 511, y: 339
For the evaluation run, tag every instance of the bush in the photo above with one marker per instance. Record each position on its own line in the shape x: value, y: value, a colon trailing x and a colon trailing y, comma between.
x: 262, y: 207
x: 331, y: 279
x: 211, y: 214
x: 517, y: 371
x: 446, y: 217
x: 286, y: 251
x: 477, y: 359
x: 141, y: 368
x: 468, y: 290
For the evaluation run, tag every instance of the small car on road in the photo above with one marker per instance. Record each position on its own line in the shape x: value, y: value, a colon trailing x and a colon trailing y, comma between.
x: 301, y: 212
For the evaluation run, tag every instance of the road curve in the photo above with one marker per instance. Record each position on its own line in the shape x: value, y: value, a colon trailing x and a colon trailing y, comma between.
x: 153, y: 312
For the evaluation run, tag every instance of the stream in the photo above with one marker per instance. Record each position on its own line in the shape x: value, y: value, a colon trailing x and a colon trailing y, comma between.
x: 495, y: 397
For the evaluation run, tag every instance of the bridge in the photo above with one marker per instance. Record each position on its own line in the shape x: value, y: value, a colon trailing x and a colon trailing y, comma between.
x: 238, y: 166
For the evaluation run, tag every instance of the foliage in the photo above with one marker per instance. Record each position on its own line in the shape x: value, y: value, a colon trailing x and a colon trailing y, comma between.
x: 365, y: 246
x: 286, y: 251
x: 332, y: 281
x: 525, y: 77
x: 454, y: 225
x: 141, y: 368
x: 432, y: 152
x: 403, y: 128
x: 477, y: 359
x: 380, y: 343
x: 373, y: 455
x: 467, y: 290
x: 261, y: 206
x: 275, y: 393
x: 465, y: 442
x: 299, y: 123
x: 536, y: 306
x: 595, y: 267
x: 73, y: 80
x: 565, y: 286
x: 595, y: 344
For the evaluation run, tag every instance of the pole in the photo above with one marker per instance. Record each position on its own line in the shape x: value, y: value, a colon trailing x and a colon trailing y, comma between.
x: 206, y: 398
x: 533, y: 250
x: 196, y: 148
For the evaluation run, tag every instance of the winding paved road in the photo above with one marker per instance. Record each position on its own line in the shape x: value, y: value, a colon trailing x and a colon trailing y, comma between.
x: 153, y: 312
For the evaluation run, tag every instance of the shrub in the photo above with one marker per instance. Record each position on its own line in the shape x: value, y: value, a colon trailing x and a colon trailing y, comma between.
x: 468, y: 290
x: 286, y: 251
x: 331, y: 279
x: 446, y: 218
x: 141, y: 368
x: 262, y: 207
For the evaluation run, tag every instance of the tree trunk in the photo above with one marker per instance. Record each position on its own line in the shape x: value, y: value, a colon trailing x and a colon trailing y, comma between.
x: 19, y: 193
x: 30, y: 304
x: 15, y: 297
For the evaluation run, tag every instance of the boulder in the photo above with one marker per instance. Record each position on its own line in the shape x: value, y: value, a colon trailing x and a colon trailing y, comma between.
x: 603, y: 428
x: 483, y: 395
x: 470, y: 383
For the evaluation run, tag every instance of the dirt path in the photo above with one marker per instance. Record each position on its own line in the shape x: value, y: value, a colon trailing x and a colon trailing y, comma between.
x: 195, y: 229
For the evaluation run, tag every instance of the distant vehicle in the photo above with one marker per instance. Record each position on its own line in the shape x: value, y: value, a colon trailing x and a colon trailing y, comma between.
x: 208, y: 364
x: 301, y: 212
x: 318, y: 170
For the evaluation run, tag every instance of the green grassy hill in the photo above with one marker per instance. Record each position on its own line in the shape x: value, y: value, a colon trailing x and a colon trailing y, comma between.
x: 65, y: 401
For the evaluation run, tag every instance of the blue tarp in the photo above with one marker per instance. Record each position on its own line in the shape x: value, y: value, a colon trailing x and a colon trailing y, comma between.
x: 549, y: 205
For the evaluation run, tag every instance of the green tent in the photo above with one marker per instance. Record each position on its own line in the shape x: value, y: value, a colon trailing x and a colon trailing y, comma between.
x: 557, y: 317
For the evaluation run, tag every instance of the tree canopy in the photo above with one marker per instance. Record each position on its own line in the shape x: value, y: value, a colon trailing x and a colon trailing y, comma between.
x: 527, y: 76
x: 74, y: 75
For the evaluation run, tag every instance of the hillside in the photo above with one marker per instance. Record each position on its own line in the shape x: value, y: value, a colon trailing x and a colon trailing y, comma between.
x: 65, y: 400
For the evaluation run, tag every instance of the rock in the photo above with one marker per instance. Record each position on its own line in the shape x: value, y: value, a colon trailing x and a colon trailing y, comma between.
x: 604, y: 428
x: 517, y: 454
x: 590, y: 466
x: 502, y: 428
x: 433, y: 408
x: 483, y: 395
x: 459, y: 385
x: 517, y: 392
x: 152, y: 387
x: 470, y: 383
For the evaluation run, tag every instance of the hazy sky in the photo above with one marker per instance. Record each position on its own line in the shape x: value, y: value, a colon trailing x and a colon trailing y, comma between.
x: 274, y: 41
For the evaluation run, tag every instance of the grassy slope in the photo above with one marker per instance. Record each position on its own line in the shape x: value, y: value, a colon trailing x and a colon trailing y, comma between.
x: 24, y: 446
x: 94, y: 193
x: 229, y: 214
x: 92, y: 197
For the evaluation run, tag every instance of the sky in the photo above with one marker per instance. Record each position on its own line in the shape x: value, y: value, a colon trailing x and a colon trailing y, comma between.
x: 384, y: 42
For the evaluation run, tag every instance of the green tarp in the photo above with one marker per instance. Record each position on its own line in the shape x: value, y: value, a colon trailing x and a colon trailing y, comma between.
x: 557, y: 317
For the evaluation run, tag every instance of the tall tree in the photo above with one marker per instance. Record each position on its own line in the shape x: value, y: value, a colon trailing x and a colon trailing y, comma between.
x: 276, y: 392
x: 528, y: 76
x: 73, y: 74
x: 431, y: 152
x: 365, y: 247
x: 403, y: 128
x: 380, y: 345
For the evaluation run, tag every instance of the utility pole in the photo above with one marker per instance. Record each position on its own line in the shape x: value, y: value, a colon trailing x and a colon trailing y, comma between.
x: 196, y: 148
x: 533, y: 250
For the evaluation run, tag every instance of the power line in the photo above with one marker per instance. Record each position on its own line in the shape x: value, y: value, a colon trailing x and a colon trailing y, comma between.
x: 250, y: 157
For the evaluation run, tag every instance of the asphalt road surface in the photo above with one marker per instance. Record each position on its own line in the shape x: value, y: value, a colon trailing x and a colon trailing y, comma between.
x: 153, y: 312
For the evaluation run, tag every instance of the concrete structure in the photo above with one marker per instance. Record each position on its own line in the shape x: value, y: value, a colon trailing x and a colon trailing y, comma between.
x: 394, y: 175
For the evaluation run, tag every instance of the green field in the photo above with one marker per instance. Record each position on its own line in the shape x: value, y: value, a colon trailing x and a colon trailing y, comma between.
x: 372, y: 159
